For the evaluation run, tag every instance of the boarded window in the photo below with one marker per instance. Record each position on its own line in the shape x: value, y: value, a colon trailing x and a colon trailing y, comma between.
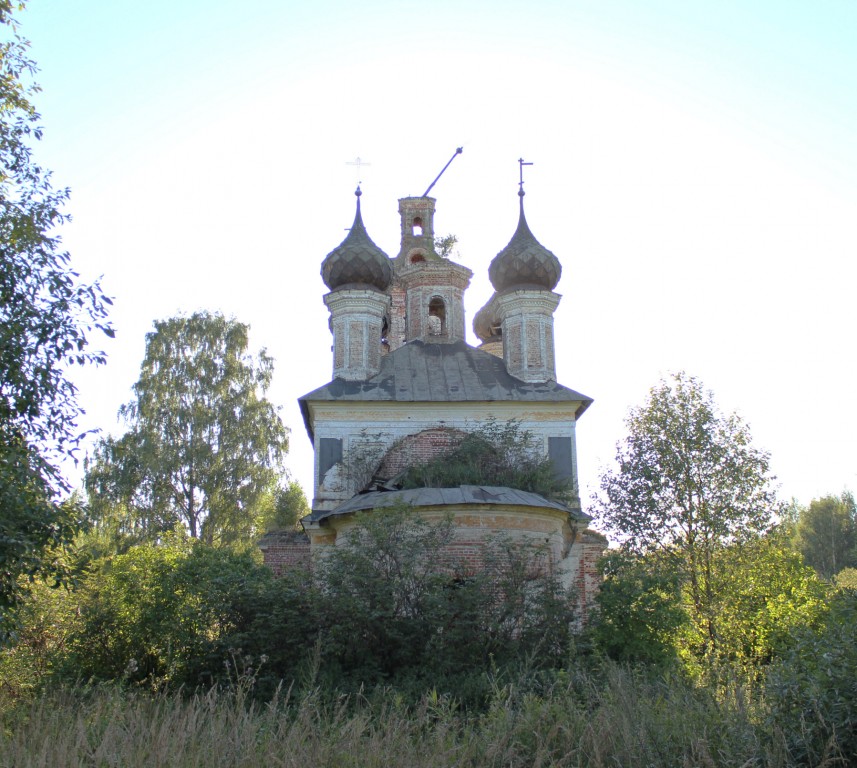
x: 559, y: 451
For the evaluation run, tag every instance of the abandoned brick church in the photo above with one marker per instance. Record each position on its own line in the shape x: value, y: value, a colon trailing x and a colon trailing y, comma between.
x: 407, y: 386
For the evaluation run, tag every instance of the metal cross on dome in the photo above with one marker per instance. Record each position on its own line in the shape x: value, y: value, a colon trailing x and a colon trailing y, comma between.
x: 359, y: 163
x: 521, y: 163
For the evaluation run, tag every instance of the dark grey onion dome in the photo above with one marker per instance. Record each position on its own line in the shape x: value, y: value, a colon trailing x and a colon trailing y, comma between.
x: 484, y: 323
x: 524, y: 262
x: 357, y: 260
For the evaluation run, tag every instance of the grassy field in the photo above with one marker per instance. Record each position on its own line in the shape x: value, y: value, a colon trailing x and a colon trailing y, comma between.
x: 614, y: 718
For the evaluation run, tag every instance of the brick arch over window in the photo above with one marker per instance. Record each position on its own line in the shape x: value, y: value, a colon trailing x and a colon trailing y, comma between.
x: 418, y: 449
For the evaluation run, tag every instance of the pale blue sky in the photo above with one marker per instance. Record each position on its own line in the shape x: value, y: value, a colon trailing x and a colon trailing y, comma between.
x: 695, y: 172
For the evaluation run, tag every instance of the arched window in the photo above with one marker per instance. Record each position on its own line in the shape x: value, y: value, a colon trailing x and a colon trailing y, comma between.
x: 417, y: 228
x: 437, y: 317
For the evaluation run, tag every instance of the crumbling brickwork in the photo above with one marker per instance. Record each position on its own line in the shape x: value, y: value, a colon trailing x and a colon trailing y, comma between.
x: 576, y: 559
x: 419, y: 449
x: 286, y: 550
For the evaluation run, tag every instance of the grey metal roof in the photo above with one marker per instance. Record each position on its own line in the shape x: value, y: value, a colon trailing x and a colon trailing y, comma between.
x: 433, y: 497
x: 440, y: 372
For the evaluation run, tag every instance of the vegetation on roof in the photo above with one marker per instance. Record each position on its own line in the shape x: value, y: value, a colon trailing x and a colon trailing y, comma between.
x: 494, y: 453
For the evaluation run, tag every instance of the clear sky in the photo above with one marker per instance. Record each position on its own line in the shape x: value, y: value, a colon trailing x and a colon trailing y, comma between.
x: 695, y: 171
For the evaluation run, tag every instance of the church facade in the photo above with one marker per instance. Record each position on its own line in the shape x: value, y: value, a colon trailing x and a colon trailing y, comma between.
x: 407, y: 387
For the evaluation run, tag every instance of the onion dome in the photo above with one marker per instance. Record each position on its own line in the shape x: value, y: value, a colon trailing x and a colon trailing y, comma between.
x: 357, y: 260
x: 524, y: 262
x: 485, y: 322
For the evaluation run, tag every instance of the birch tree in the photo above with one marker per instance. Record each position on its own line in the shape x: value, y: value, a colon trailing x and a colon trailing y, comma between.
x: 205, y: 447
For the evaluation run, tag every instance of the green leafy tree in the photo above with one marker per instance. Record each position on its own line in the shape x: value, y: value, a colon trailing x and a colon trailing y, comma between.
x: 639, y: 610
x: 826, y: 534
x: 688, y: 483
x: 153, y: 613
x: 290, y: 505
x: 445, y: 246
x: 47, y: 315
x: 812, y: 690
x: 846, y: 579
x: 763, y: 594
x: 204, y: 447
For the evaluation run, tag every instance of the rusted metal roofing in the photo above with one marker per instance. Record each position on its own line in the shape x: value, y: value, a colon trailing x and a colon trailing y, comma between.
x: 439, y: 372
x: 434, y: 497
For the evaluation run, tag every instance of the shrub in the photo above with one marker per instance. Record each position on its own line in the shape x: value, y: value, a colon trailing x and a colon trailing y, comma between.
x: 501, y: 454
x: 639, y: 611
x: 812, y: 691
x: 151, y: 613
x: 392, y: 614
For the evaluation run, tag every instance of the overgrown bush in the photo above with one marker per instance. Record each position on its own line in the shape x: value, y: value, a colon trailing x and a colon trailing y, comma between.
x: 149, y: 614
x: 812, y: 691
x: 383, y: 610
x: 638, y: 611
x: 495, y: 453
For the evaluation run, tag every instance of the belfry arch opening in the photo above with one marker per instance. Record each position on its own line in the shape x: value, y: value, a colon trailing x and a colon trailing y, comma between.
x: 437, y: 316
x: 417, y: 227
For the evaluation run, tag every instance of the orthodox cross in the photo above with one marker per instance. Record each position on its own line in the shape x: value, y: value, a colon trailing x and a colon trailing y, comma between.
x: 359, y: 163
x: 521, y: 163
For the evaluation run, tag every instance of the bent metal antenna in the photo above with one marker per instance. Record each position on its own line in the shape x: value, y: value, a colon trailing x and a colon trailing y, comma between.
x: 457, y: 152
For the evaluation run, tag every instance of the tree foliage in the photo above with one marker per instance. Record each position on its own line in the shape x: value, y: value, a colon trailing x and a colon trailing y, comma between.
x: 846, y: 578
x: 151, y: 614
x: 812, y: 690
x: 494, y: 453
x: 826, y: 534
x: 639, y: 611
x: 47, y: 315
x: 204, y: 446
x: 762, y: 594
x: 688, y: 483
x: 290, y: 505
x: 376, y: 612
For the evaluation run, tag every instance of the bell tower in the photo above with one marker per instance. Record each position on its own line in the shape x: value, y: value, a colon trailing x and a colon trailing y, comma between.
x: 427, y: 292
x: 417, y: 214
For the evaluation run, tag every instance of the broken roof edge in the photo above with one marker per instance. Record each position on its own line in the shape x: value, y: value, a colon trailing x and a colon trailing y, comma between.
x: 439, y: 497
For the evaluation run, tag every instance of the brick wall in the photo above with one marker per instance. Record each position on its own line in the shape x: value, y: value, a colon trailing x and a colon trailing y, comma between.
x: 419, y: 449
x: 286, y: 550
x: 586, y: 575
x: 283, y: 551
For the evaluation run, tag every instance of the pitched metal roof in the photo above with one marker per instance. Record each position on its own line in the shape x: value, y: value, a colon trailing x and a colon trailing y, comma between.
x: 434, y: 497
x: 446, y: 373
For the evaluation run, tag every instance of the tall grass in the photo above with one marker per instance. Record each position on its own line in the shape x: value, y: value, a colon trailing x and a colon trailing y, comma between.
x: 613, y: 718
